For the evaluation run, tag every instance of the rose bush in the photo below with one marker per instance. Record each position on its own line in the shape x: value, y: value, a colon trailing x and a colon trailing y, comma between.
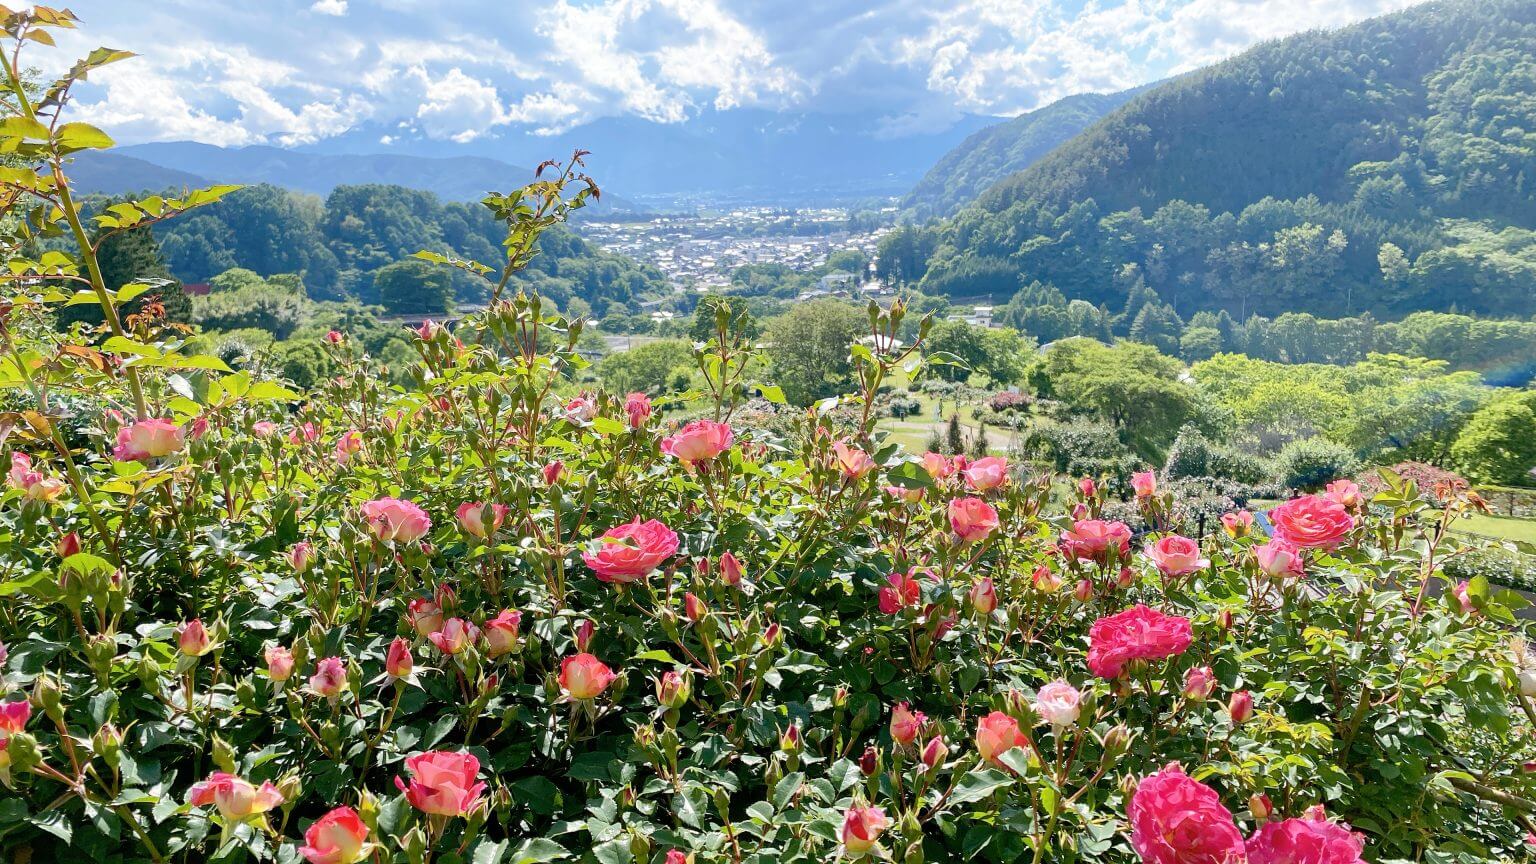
x: 518, y: 622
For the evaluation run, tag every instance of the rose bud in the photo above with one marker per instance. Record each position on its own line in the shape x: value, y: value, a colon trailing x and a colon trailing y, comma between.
x: 862, y: 826
x: 425, y: 616
x: 1224, y: 619
x: 279, y: 663
x: 1126, y: 579
x: 584, y: 676
x: 1082, y: 592
x: 1199, y: 683
x: 553, y: 472
x: 338, y: 837
x: 330, y: 678
x: 1044, y: 579
x: 1087, y: 487
x: 789, y: 741
x: 984, y: 596
x: 1079, y: 512
x: 935, y: 752
x: 301, y: 556
x: 730, y: 570
x: 501, y: 633
x: 398, y: 662
x: 447, y: 597
x: 694, y: 608
x: 869, y: 763
x: 68, y: 545
x: 1240, y: 707
x: 583, y: 636
x: 906, y: 724
x: 192, y: 639
x: 1260, y: 807
x: 672, y: 690
x: 455, y: 635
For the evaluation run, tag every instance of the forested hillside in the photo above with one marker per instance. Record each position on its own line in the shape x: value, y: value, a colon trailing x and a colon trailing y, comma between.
x: 998, y: 151
x: 338, y: 243
x: 1386, y: 167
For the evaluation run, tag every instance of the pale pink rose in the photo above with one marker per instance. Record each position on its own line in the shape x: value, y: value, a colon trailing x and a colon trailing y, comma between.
x: 906, y: 724
x: 301, y: 556
x: 938, y: 466
x: 454, y: 636
x: 279, y: 663
x: 1144, y: 483
x: 699, y: 441
x: 1199, y: 683
x: 972, y: 519
x: 35, y: 485
x: 855, y: 463
x: 996, y: 734
x: 348, y: 445
x: 987, y: 474
x: 263, y: 428
x: 862, y: 826
x: 902, y: 493
x: 501, y: 633
x: 583, y: 676
x: 1463, y: 596
x: 1345, y: 493
x: 1177, y: 556
x: 338, y: 837
x: 1059, y: 703
x: 236, y: 798
x: 1311, y: 522
x: 426, y: 616
x: 481, y: 520
x: 1279, y: 560
x: 580, y: 410
x: 148, y: 439
x: 442, y: 783
x: 1240, y: 707
x: 630, y: 551
x: 396, y: 520
x: 330, y: 678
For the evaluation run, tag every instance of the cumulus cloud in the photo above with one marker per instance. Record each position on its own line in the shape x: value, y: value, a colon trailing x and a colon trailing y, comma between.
x: 242, y: 73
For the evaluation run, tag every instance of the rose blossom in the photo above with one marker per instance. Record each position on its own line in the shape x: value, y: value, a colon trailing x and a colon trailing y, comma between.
x: 1059, y: 703
x: 630, y: 551
x: 424, y: 615
x: 329, y: 678
x: 580, y: 410
x: 236, y: 798
x: 1091, y: 539
x: 937, y: 465
x: 263, y: 428
x: 14, y: 716
x: 638, y: 407
x: 906, y: 724
x: 699, y: 441
x: 1144, y: 483
x: 393, y: 519
x: 584, y: 676
x: 1087, y: 487
x: 279, y: 663
x: 348, y: 445
x: 997, y: 733
x: 481, y: 520
x: 862, y: 826
x: 1311, y: 522
x: 33, y: 484
x: 1240, y: 707
x: 501, y: 633
x: 148, y: 439
x: 855, y: 463
x: 902, y: 493
x: 442, y: 783
x: 1311, y: 839
x: 192, y: 638
x: 1138, y: 633
x: 338, y: 837
x: 904, y: 590
x: 1177, y: 556
x: 1199, y: 683
x: 398, y: 662
x: 1044, y: 579
x: 935, y: 752
x: 984, y: 596
x: 987, y: 474
x: 1279, y: 560
x: 1237, y: 524
x: 1177, y: 820
x: 972, y: 519
x: 1345, y: 493
x: 454, y: 636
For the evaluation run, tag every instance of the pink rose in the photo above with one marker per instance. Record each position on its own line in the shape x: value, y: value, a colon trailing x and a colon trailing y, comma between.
x: 1237, y: 524
x: 1240, y: 707
x: 1463, y: 597
x: 1279, y: 560
x: 638, y: 407
x: 392, y: 519
x: 279, y: 663
x: 935, y: 752
x: 1045, y: 579
x: 338, y: 837
x: 330, y: 678
x: 398, y: 661
x: 192, y: 638
x: 1345, y: 493
x: 631, y: 551
x: 14, y: 716
x: 1177, y: 556
x: 424, y: 615
x: 1311, y: 522
x: 987, y: 474
x: 699, y: 441
x: 236, y: 798
x: 580, y: 410
x: 481, y: 520
x: 442, y: 783
x: 906, y: 724
x: 584, y: 676
x: 553, y: 471
x: 984, y: 596
x: 1144, y: 483
x: 36, y: 485
x: 855, y: 463
x: 454, y: 636
x: 263, y: 428
x: 1059, y: 703
x: 1138, y: 633
x: 348, y: 445
x: 148, y: 439
x: 1092, y: 540
x: 1312, y: 839
x: 1176, y: 820
x: 996, y: 734
x: 1087, y: 487
x: 301, y: 555
x: 937, y: 465
x: 972, y: 519
x: 1199, y: 683
x: 501, y: 633
x: 730, y: 569
x: 904, y: 590
x: 902, y: 493
x: 862, y: 826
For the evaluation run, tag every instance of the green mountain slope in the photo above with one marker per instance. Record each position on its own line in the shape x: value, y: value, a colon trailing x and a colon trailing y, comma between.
x: 998, y: 151
x: 1384, y: 167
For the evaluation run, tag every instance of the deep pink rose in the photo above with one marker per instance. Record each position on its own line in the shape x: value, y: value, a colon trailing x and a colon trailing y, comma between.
x: 904, y: 590
x: 638, y: 407
x: 632, y: 550
x: 1138, y: 633
x: 1177, y: 556
x: 1176, y: 820
x: 398, y: 662
x: 442, y: 783
x: 972, y: 519
x: 1091, y: 540
x: 14, y: 716
x: 699, y: 441
x: 1311, y: 522
x: 148, y: 439
x: 1312, y: 839
x: 396, y: 520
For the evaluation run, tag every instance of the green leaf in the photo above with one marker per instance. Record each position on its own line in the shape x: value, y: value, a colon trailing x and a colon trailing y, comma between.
x: 82, y: 136
x: 909, y: 475
x: 773, y: 393
x: 23, y: 128
x: 978, y: 785
x: 537, y: 850
x: 785, y: 791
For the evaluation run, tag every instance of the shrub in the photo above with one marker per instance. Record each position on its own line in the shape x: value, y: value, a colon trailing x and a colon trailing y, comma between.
x: 1312, y: 463
x: 1194, y: 455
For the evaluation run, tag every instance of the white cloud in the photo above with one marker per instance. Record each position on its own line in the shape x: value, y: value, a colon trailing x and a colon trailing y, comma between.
x: 329, y: 7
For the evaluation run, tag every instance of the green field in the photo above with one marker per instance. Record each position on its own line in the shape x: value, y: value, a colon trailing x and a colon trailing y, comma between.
x: 913, y: 432
x: 1500, y: 527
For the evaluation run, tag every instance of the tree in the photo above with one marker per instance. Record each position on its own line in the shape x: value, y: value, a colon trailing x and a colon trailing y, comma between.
x: 1130, y: 385
x: 134, y: 256
x: 954, y: 436
x: 1498, y: 444
x: 995, y: 353
x: 1200, y: 343
x: 414, y: 287
x: 645, y: 368
x: 808, y: 347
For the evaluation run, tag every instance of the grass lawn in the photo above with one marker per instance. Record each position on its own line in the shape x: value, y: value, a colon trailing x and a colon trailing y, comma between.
x: 1501, y: 527
x: 913, y: 432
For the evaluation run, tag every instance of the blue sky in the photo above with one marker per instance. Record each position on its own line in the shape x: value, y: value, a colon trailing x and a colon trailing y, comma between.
x: 292, y: 72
